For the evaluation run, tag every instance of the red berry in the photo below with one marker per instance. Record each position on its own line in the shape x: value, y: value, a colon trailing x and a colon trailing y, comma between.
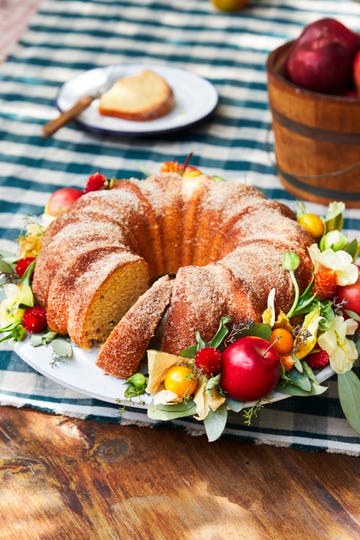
x: 325, y: 283
x: 96, y: 182
x: 209, y: 361
x: 34, y: 320
x: 318, y: 359
x: 22, y: 264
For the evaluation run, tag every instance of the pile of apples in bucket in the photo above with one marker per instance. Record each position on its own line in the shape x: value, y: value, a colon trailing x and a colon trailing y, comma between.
x: 325, y: 58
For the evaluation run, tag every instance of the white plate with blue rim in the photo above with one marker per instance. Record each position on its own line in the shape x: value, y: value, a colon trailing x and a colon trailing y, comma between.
x: 195, y: 100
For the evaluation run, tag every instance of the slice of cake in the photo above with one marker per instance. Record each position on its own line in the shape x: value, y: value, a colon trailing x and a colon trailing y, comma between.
x: 140, y: 97
x: 123, y: 350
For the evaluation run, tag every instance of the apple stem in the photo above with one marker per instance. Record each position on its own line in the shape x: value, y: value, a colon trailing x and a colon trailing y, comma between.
x: 187, y: 160
x: 271, y: 346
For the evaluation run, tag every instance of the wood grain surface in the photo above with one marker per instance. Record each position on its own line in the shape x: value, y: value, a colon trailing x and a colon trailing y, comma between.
x: 68, y: 479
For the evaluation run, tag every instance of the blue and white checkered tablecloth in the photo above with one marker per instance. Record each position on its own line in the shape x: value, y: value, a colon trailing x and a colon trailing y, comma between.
x: 67, y: 37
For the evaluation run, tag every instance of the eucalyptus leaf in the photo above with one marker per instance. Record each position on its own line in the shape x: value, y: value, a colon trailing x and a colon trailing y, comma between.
x: 171, y: 412
x: 301, y: 380
x: 291, y: 390
x: 317, y: 389
x: 36, y: 340
x: 61, y: 348
x: 298, y: 365
x: 349, y: 395
x: 309, y: 372
x: 233, y: 405
x: 8, y: 256
x: 352, y: 315
x: 5, y: 267
x: 215, y: 423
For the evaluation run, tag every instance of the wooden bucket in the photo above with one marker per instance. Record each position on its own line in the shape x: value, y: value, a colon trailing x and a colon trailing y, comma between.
x: 317, y: 138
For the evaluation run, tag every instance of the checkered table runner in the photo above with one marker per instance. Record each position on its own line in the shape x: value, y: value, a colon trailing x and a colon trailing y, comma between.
x: 65, y: 38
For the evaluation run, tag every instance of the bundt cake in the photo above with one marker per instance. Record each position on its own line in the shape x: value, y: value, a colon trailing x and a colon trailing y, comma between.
x: 222, y: 243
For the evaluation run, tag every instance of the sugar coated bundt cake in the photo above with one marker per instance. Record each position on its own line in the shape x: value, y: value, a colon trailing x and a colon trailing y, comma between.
x: 193, y: 248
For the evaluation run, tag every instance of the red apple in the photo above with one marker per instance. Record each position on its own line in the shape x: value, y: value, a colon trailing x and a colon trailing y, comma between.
x: 356, y: 72
x: 321, y: 66
x: 349, y: 295
x: 330, y: 29
x: 322, y: 57
x: 251, y: 369
x: 61, y: 200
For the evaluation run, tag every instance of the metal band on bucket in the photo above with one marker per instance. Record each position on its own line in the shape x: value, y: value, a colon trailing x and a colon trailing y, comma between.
x: 295, y: 182
x: 317, y: 134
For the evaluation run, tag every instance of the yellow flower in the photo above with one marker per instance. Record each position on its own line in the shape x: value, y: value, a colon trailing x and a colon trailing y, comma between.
x: 9, y: 307
x: 339, y: 261
x: 30, y: 242
x: 310, y: 325
x: 342, y: 351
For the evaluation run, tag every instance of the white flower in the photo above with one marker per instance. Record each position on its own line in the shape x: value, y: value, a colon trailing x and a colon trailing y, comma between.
x: 268, y: 317
x: 342, y: 351
x: 339, y: 261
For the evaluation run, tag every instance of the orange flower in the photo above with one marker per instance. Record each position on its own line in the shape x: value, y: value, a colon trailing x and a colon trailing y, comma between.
x: 287, y: 361
x: 325, y: 282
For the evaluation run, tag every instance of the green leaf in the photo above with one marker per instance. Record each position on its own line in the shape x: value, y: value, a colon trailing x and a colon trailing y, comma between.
x: 353, y: 249
x: 171, y: 412
x: 349, y: 395
x: 221, y: 333
x: 334, y: 217
x: 233, y: 405
x: 5, y: 267
x: 298, y: 364
x: 25, y: 280
x: 352, y: 315
x: 26, y: 298
x: 259, y: 330
x: 215, y: 423
x: 213, y: 382
x: 327, y: 314
x: 189, y: 352
x: 61, y: 348
x: 200, y: 342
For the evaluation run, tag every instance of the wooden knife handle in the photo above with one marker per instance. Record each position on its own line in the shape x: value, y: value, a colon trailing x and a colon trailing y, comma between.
x: 66, y: 116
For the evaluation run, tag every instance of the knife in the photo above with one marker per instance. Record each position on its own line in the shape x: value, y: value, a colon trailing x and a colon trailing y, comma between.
x: 79, y: 106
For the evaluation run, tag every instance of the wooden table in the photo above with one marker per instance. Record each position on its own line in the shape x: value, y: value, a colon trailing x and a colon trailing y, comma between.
x: 65, y: 478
